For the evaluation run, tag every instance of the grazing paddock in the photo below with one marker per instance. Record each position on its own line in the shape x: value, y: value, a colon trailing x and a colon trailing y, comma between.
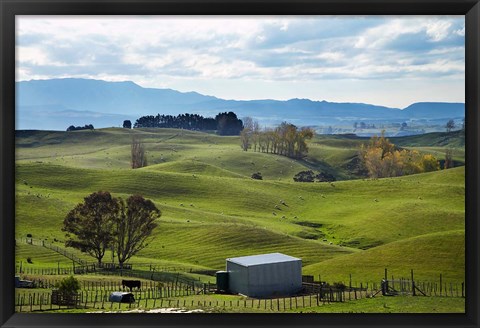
x: 232, y: 303
x: 94, y: 295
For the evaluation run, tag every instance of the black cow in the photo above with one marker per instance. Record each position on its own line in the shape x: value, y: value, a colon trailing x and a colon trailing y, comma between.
x: 131, y: 284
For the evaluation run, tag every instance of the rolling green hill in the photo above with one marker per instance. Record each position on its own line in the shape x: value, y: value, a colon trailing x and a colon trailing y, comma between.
x: 212, y: 209
x: 428, y: 255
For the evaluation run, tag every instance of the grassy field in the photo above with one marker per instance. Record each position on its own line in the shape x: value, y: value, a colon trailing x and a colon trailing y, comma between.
x: 212, y: 209
x: 238, y: 304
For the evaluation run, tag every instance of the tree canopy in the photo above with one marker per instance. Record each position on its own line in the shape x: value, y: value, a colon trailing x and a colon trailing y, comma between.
x: 228, y: 124
x: 76, y: 128
x: 89, y: 225
x: 286, y: 139
x: 103, y: 222
x: 133, y: 226
x: 383, y: 159
x: 182, y: 121
x: 127, y: 124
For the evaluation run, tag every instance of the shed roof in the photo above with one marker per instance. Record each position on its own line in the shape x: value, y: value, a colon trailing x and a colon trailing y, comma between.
x: 262, y: 259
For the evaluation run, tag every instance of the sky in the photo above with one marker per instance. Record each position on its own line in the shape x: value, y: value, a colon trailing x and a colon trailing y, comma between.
x: 392, y: 61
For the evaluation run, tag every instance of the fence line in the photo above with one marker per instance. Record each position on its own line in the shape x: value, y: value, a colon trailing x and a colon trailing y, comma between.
x: 156, y: 276
x: 94, y: 294
x: 86, y: 266
x: 38, y: 301
x: 55, y: 248
x: 164, y: 275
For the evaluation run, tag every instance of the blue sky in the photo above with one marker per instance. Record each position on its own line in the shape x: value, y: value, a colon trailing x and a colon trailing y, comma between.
x: 384, y: 60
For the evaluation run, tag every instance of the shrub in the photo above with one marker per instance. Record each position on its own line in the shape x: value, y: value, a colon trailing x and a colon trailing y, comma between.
x: 310, y: 176
x: 68, y: 285
x: 304, y: 176
x: 325, y: 177
x: 257, y: 176
x: 29, y: 235
x: 29, y: 260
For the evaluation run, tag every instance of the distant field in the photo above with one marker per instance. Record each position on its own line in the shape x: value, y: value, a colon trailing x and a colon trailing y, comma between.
x: 212, y: 209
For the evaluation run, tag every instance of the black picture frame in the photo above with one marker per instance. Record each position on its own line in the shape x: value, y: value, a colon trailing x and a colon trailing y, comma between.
x: 10, y: 8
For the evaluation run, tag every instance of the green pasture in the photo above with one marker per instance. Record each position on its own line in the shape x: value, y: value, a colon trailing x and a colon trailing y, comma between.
x: 212, y: 209
x: 239, y: 304
x: 387, y: 304
x: 40, y: 257
x: 427, y: 255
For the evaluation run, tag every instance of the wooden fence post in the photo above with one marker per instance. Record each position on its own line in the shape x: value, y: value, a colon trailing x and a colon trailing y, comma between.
x: 413, y: 283
x: 441, y: 284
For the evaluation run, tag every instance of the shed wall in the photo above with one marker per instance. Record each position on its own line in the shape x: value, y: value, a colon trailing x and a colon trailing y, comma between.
x: 237, y: 278
x: 265, y: 280
x: 275, y: 279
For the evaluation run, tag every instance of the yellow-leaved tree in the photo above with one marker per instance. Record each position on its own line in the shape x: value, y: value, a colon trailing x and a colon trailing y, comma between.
x: 383, y: 159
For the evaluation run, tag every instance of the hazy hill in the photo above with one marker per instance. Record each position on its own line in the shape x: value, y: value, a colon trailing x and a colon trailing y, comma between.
x: 58, y: 103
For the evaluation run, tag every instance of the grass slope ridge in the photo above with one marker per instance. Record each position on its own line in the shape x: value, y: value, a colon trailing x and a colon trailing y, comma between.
x: 428, y: 255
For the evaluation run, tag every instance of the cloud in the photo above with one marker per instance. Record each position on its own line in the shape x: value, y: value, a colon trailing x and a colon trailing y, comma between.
x: 166, y: 49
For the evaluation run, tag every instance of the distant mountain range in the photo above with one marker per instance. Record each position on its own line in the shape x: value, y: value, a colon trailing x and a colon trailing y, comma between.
x: 58, y: 103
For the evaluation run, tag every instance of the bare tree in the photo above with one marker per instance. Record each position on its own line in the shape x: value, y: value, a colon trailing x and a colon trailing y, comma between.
x: 138, y: 154
x: 245, y: 139
x: 255, y: 135
x: 250, y: 134
x: 450, y: 125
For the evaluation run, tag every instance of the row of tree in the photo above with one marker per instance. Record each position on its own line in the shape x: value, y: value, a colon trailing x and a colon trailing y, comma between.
x: 383, y: 159
x: 286, y: 139
x: 226, y: 123
x: 76, y: 128
x: 103, y: 222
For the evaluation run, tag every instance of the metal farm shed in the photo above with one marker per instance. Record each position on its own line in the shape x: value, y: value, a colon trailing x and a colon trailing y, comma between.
x: 264, y: 275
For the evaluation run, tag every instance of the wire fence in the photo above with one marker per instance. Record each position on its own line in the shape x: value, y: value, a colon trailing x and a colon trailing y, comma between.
x: 55, y: 248
x: 81, y: 266
x: 185, y: 296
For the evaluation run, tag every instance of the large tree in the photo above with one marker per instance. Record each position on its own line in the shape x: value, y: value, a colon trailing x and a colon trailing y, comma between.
x: 103, y: 222
x: 127, y: 124
x: 133, y: 226
x: 228, y: 124
x: 89, y: 225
